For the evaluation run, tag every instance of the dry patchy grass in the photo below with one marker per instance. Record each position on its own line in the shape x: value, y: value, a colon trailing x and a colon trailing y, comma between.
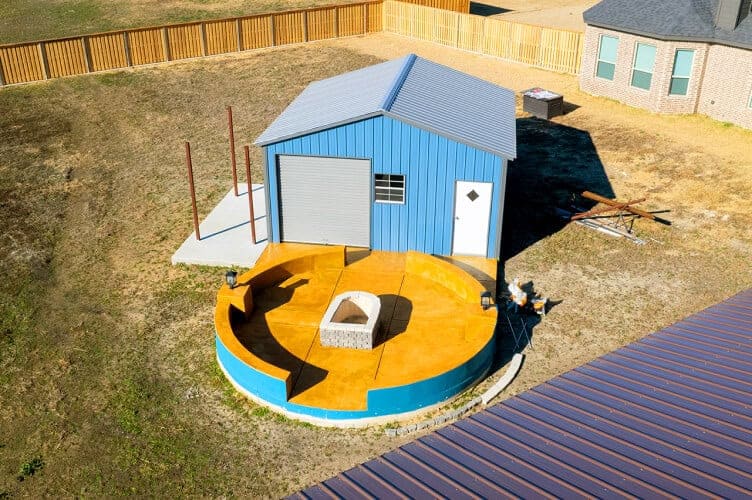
x: 107, y: 368
x: 26, y: 20
x: 107, y: 364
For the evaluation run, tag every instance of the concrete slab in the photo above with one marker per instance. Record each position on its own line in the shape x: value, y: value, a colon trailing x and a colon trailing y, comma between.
x: 226, y: 233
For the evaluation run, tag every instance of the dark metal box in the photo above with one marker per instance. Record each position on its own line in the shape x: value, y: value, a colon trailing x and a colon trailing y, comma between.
x: 542, y: 103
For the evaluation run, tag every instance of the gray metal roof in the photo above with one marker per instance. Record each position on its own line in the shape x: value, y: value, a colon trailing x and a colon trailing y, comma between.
x: 667, y: 416
x: 690, y: 20
x: 410, y: 89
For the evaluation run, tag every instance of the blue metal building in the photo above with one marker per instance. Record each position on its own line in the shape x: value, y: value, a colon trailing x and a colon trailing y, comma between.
x: 403, y: 155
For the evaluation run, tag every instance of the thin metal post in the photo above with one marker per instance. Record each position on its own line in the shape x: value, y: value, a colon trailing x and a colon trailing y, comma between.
x: 189, y: 164
x: 232, y: 151
x: 250, y: 192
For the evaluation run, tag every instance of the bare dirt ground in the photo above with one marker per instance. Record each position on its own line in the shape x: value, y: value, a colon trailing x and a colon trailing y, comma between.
x: 107, y: 370
x: 555, y: 13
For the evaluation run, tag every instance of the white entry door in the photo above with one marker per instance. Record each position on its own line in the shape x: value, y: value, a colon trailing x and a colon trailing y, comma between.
x: 472, y: 213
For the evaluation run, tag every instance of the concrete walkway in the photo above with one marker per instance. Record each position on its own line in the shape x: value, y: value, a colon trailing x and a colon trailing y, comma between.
x: 226, y: 233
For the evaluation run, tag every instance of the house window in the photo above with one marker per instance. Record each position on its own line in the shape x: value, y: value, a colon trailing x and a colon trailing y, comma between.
x: 749, y: 103
x: 682, y: 69
x: 389, y: 188
x: 642, y: 71
x: 607, y: 57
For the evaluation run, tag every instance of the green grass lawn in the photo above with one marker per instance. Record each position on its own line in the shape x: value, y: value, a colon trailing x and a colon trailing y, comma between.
x: 27, y: 20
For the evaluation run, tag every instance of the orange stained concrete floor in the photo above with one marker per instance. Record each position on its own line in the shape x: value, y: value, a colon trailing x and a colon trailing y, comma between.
x: 422, y: 330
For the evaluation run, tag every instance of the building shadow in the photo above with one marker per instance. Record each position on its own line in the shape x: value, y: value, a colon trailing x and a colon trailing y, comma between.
x: 255, y: 334
x: 554, y: 163
x: 482, y: 9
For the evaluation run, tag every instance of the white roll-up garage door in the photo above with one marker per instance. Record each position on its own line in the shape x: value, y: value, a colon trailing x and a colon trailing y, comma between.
x: 325, y: 200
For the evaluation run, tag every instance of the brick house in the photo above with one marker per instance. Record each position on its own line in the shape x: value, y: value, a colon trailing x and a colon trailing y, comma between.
x: 672, y: 56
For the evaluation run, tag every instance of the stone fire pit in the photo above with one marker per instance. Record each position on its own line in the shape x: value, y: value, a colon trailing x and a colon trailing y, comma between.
x: 351, y: 321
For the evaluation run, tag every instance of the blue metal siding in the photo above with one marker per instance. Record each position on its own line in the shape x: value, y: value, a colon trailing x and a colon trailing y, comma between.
x: 431, y: 164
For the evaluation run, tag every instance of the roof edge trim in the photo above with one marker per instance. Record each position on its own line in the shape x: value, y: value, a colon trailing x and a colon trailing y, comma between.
x: 317, y: 129
x: 501, y: 154
x: 398, y: 82
x: 670, y: 38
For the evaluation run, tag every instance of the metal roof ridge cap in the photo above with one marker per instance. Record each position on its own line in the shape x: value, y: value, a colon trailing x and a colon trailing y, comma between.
x: 398, y: 82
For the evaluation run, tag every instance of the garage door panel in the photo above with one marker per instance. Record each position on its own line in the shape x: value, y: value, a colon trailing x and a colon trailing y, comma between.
x: 325, y: 200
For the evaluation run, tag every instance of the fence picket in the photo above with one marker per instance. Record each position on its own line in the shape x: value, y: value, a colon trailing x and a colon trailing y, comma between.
x: 549, y: 48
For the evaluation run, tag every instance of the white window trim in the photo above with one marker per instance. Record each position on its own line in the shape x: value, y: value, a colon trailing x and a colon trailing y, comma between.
x: 598, y: 58
x: 389, y: 202
x: 652, y: 73
x: 689, y: 78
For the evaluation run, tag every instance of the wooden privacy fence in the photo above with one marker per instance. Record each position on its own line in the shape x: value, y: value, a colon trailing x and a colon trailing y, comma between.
x: 32, y: 61
x: 548, y: 48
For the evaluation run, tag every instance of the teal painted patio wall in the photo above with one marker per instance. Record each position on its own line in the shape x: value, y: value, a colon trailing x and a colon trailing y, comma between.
x: 381, y: 402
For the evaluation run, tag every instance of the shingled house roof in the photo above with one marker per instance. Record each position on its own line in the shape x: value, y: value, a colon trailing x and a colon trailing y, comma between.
x: 686, y: 20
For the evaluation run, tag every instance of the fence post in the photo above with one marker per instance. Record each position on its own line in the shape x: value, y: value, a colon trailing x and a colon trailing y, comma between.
x: 457, y: 31
x: 203, y: 38
x: 165, y: 44
x: 127, y: 47
x: 43, y: 58
x: 87, y: 53
x: 2, y: 77
x: 305, y: 25
x: 365, y: 18
x: 239, y: 29
x: 272, y: 31
x: 336, y: 22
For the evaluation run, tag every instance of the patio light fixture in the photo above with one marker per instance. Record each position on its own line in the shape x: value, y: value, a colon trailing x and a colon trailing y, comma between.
x: 231, y: 277
x: 485, y: 300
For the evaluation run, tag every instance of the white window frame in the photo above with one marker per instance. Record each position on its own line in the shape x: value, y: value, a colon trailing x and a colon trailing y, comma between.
x: 598, y: 59
x: 749, y: 101
x: 688, y: 77
x: 391, y: 191
x: 634, y: 62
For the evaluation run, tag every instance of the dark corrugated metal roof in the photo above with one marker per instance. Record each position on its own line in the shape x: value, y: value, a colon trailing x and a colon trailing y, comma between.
x: 691, y: 20
x: 422, y: 93
x: 668, y: 415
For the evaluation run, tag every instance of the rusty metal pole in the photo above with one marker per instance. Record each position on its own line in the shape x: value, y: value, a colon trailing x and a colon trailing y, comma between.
x: 193, y: 188
x: 250, y: 192
x: 232, y: 150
